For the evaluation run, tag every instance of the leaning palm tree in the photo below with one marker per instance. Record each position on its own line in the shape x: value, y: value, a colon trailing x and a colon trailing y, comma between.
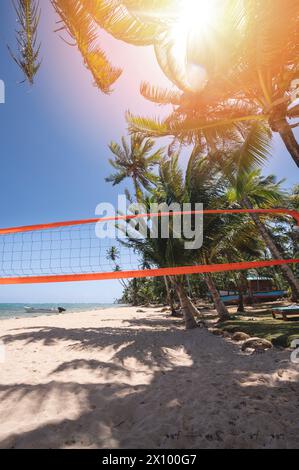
x: 164, y: 252
x: 135, y: 161
x: 159, y: 252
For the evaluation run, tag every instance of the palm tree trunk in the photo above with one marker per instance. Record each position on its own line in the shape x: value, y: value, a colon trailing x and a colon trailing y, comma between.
x: 275, y: 251
x: 189, y: 286
x: 242, y: 281
x: 193, y: 309
x: 184, y: 301
x: 219, y: 305
x: 291, y: 143
x: 135, y: 289
x: 137, y: 189
x: 250, y: 300
x: 241, y: 308
x: 169, y: 296
x: 286, y: 133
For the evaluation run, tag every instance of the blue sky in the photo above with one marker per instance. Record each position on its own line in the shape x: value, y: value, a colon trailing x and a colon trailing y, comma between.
x: 54, y: 140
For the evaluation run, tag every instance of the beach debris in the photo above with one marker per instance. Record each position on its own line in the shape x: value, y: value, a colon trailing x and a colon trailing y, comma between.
x: 226, y: 334
x: 140, y: 311
x: 240, y: 336
x: 257, y: 344
x: 218, y: 332
x: 177, y: 314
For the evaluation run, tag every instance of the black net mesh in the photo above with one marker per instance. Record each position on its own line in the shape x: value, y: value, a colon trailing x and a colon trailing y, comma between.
x: 64, y: 250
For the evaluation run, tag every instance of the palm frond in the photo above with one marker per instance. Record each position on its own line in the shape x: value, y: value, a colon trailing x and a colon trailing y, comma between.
x: 293, y: 112
x: 81, y: 27
x: 167, y: 61
x: 117, y: 20
x: 116, y: 149
x: 255, y: 148
x: 272, y: 26
x: 145, y: 126
x: 116, y: 178
x: 28, y: 17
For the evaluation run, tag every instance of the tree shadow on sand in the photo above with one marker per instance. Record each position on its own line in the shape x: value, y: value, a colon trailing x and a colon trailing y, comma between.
x: 146, y: 345
x: 209, y: 403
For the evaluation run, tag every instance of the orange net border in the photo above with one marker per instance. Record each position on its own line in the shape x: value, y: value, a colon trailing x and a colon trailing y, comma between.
x: 170, y: 271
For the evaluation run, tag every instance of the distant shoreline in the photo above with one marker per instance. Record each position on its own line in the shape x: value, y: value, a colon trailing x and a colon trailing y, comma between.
x: 17, y: 310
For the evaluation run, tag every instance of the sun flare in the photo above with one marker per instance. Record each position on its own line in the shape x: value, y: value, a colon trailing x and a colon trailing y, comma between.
x: 194, y: 21
x: 196, y: 14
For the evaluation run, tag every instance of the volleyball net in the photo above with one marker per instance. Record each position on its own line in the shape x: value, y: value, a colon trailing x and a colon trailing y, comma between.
x: 73, y: 251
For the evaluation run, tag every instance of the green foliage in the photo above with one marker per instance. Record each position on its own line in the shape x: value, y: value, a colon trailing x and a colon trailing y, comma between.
x: 144, y: 291
x: 136, y: 161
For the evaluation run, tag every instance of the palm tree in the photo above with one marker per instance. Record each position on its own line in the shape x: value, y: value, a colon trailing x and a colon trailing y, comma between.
x: 242, y: 241
x: 136, y: 162
x: 249, y: 189
x: 202, y: 183
x: 163, y: 252
x: 254, y: 83
x: 227, y: 238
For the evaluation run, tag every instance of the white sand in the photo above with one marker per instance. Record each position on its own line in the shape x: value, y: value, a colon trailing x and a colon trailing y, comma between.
x: 118, y: 379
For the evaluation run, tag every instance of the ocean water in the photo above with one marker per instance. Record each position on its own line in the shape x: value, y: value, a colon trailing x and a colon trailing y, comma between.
x: 18, y: 311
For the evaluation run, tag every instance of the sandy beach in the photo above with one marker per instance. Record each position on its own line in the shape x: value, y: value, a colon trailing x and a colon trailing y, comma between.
x: 121, y: 378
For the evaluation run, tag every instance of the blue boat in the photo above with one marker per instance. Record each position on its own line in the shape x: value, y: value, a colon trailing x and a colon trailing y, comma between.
x: 260, y: 289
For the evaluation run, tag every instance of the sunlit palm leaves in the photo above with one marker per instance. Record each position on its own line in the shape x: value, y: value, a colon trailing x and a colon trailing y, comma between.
x: 251, y: 152
x: 160, y: 95
x: 249, y: 62
x: 27, y: 58
x: 260, y: 42
x: 81, y: 27
x: 207, y: 129
x: 83, y: 20
x: 116, y: 19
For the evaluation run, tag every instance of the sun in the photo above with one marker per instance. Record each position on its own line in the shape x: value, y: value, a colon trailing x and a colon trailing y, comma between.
x: 194, y: 16
x: 196, y: 13
x: 194, y: 20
